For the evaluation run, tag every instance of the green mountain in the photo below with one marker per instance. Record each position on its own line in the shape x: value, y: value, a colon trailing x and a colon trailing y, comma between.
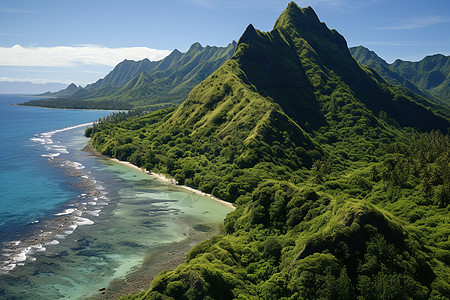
x: 126, y: 70
x: 66, y: 92
x: 341, y: 180
x: 431, y: 73
x: 170, y: 81
x: 429, y: 77
x: 153, y: 85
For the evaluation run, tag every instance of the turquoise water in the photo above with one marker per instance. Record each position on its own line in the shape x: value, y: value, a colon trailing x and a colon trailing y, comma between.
x: 71, y: 222
x: 29, y: 187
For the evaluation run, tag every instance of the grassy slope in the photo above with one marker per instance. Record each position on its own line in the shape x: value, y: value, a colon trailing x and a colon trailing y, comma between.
x: 336, y: 198
x: 428, y: 77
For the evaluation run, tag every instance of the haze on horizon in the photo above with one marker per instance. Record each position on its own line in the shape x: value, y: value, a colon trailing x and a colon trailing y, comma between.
x: 80, y: 42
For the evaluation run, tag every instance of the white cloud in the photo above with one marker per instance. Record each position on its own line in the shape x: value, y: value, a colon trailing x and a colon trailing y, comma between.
x: 69, y: 56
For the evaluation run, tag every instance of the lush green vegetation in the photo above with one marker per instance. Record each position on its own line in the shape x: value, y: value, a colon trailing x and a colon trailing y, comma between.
x: 428, y: 77
x: 341, y: 181
x: 144, y: 84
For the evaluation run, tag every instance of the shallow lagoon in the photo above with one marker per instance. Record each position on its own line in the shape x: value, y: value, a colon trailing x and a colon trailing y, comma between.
x: 118, y: 225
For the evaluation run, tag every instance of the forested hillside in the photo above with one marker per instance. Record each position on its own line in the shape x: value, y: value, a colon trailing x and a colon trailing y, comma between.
x: 341, y: 181
x: 429, y: 77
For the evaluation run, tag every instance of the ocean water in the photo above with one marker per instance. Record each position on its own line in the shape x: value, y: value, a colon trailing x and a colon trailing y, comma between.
x: 74, y: 225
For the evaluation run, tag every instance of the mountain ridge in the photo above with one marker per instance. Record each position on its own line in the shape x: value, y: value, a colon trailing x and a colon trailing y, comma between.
x: 331, y: 168
x: 167, y: 82
x: 429, y: 77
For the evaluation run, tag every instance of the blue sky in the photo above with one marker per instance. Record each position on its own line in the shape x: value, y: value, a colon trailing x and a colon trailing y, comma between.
x: 81, y: 41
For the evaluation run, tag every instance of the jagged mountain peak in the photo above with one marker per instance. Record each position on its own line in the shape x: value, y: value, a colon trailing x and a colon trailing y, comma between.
x: 72, y: 86
x: 304, y: 23
x: 195, y: 47
x: 293, y: 14
x: 295, y: 66
x: 250, y: 33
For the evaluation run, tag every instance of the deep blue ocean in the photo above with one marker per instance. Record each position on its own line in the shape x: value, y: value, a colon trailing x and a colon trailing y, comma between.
x: 73, y: 223
x: 30, y: 188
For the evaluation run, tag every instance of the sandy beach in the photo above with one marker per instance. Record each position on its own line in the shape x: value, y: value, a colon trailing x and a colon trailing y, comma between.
x: 161, y: 177
x: 166, y: 257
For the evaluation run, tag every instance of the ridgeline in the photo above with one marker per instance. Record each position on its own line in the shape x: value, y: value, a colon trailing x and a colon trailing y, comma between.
x: 143, y: 84
x: 341, y: 180
x: 429, y: 77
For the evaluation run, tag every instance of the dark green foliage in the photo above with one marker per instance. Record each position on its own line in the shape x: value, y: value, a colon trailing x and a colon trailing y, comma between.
x: 429, y: 77
x: 351, y: 204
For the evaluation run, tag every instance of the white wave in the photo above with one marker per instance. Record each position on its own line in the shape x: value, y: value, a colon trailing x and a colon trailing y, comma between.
x: 94, y: 213
x: 77, y: 165
x: 22, y: 255
x: 84, y: 221
x: 38, y: 139
x: 8, y: 267
x: 54, y: 242
x: 67, y: 128
x: 60, y: 149
x: 39, y: 247
x: 66, y: 212
x: 51, y: 155
x: 71, y: 229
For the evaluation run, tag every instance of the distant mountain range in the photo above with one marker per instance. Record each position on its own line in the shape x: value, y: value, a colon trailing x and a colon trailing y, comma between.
x: 28, y: 87
x: 134, y: 84
x: 158, y: 84
x: 429, y: 77
x: 341, y: 179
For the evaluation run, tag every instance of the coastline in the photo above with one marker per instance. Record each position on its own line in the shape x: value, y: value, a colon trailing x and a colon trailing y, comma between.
x: 162, y: 177
x: 167, y: 257
x: 63, y: 108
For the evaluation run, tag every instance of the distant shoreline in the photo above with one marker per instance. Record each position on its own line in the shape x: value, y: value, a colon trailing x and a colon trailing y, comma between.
x: 162, y: 177
x: 111, y: 110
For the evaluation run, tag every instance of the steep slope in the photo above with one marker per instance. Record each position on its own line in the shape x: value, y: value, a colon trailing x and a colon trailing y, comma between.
x: 335, y: 197
x: 170, y: 81
x: 134, y: 84
x: 431, y: 73
x: 66, y: 92
x: 429, y: 77
x: 371, y: 59
x: 126, y: 70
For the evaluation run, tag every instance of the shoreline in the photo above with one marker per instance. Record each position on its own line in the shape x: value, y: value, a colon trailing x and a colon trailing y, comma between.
x: 168, y: 257
x: 96, y: 109
x: 162, y: 177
